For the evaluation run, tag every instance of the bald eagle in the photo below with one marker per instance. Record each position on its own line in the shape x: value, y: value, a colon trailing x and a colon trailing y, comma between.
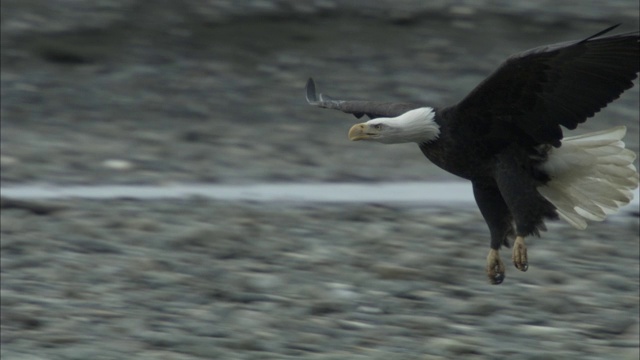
x: 505, y: 137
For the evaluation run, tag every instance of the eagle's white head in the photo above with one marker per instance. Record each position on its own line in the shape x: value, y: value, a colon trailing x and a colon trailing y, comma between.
x: 417, y: 125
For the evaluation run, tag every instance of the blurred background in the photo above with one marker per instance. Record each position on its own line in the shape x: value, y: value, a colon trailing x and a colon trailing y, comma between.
x: 213, y: 91
x: 161, y: 92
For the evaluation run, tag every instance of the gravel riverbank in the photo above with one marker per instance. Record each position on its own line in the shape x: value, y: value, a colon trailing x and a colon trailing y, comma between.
x: 198, y: 279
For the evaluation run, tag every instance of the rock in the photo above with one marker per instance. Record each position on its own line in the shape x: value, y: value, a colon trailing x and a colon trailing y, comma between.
x: 118, y: 164
x: 394, y: 272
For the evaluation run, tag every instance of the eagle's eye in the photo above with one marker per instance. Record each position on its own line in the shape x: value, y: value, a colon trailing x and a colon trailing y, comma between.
x: 377, y: 126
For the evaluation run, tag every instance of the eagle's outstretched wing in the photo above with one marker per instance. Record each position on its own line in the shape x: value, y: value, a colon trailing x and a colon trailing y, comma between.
x: 372, y: 109
x: 562, y: 84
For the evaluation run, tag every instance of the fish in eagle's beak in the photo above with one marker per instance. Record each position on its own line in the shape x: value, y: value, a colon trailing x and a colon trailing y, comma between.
x: 362, y: 131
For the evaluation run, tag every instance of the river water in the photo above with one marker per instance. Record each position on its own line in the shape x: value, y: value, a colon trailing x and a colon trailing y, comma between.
x: 381, y: 192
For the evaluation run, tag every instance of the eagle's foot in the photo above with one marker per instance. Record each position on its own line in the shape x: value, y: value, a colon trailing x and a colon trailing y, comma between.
x: 519, y: 255
x: 495, y: 267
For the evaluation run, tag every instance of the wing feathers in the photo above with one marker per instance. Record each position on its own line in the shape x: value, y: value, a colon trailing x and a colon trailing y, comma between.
x: 561, y: 84
x: 372, y: 109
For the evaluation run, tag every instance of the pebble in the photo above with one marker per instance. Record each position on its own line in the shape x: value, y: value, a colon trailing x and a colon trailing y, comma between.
x: 118, y: 164
x: 395, y: 272
x: 354, y: 325
x: 6, y: 160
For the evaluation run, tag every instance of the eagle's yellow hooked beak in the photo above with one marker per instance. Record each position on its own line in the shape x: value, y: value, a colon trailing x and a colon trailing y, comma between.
x: 361, y: 132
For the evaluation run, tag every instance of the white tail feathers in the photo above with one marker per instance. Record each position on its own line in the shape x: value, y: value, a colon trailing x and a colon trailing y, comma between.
x: 592, y: 176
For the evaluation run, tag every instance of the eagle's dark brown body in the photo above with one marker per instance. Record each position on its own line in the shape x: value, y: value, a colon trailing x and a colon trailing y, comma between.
x: 503, y: 171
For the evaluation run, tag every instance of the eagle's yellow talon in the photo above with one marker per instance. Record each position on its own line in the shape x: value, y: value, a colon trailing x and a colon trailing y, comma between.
x: 519, y: 255
x: 495, y: 267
